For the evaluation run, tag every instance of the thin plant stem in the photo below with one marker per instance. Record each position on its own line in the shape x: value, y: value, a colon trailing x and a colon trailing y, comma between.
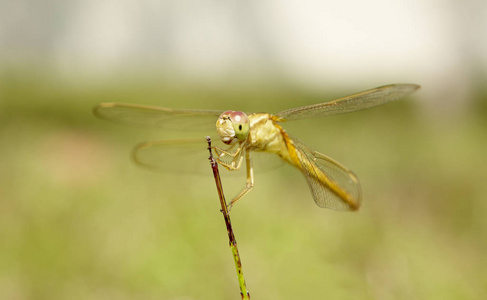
x: 231, y: 237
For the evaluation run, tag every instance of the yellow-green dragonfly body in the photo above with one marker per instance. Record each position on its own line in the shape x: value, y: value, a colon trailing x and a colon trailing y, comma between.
x: 332, y: 185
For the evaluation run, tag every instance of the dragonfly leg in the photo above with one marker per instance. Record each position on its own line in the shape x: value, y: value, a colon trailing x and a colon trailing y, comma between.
x: 222, y: 152
x: 234, y: 165
x: 249, y: 184
x: 236, y: 155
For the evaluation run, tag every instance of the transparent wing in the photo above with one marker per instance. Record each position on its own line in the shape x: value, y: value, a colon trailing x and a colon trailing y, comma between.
x: 164, y: 117
x: 190, y: 156
x: 183, y: 156
x: 331, y: 184
x: 359, y: 101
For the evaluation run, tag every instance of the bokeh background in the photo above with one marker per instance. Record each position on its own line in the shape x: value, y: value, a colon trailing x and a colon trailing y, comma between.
x: 79, y: 220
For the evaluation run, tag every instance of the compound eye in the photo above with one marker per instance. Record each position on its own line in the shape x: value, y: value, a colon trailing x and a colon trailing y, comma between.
x: 241, y: 124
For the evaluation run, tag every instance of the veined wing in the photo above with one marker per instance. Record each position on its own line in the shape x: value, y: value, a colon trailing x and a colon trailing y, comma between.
x: 181, y: 156
x: 332, y: 185
x: 169, y: 118
x: 358, y: 101
x: 190, y: 156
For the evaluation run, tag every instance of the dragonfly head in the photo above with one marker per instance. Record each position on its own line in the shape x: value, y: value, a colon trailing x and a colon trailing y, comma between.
x: 233, y: 126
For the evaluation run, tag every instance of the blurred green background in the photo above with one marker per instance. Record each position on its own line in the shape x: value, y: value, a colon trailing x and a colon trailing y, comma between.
x: 79, y: 220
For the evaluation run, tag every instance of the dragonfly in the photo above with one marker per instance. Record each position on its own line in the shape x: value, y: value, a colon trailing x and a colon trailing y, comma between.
x: 332, y: 185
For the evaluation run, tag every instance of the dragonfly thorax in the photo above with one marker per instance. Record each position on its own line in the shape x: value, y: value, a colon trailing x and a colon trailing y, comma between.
x: 233, y: 126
